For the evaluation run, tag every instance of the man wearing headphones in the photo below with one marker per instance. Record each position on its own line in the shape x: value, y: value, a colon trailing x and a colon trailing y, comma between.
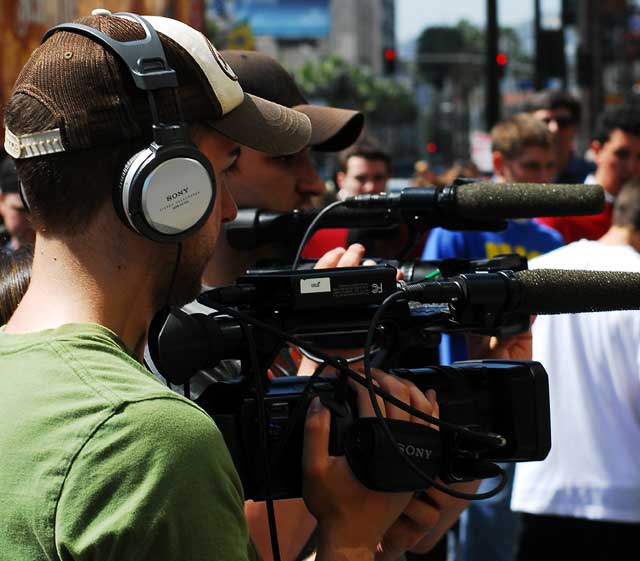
x: 100, y: 460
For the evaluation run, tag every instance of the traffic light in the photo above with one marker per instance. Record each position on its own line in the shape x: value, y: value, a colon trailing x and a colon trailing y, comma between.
x: 501, y: 64
x: 389, y: 61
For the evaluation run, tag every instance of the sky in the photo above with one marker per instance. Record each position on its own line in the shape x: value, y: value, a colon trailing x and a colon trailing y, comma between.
x: 412, y: 16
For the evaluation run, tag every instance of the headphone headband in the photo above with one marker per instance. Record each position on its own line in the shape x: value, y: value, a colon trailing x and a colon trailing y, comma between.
x: 166, y: 191
x: 145, y: 58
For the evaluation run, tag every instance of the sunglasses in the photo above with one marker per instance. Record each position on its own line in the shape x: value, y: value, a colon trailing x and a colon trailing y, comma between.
x: 562, y: 122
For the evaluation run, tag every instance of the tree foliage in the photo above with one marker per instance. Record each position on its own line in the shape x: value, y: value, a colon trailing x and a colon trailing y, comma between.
x: 457, y: 53
x: 337, y: 83
x: 441, y: 53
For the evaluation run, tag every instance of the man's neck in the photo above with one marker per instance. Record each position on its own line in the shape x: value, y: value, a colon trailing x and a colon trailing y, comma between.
x: 227, y: 263
x: 606, y: 185
x: 619, y: 235
x: 563, y: 159
x: 69, y: 285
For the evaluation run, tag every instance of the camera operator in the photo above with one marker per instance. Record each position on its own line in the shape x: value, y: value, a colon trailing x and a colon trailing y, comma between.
x: 100, y: 460
x: 260, y: 180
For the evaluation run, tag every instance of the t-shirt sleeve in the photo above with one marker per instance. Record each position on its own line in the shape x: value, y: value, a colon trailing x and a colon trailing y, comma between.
x: 155, y: 481
x: 561, y: 224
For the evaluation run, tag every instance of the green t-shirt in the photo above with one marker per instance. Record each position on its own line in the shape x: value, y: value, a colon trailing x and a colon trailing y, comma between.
x: 100, y: 461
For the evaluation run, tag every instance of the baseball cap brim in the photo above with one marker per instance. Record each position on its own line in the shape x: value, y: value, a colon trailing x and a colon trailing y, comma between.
x: 266, y: 126
x: 332, y: 129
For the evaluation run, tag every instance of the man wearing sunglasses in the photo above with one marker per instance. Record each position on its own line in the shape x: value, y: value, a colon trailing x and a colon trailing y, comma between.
x: 616, y: 148
x: 561, y: 113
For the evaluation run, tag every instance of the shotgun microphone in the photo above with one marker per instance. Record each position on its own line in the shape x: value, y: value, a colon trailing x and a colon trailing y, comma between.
x: 490, y: 201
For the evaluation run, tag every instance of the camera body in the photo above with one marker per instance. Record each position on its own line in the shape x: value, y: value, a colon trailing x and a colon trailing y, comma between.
x: 509, y: 398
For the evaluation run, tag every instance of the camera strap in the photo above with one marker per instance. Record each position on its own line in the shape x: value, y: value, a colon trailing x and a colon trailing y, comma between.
x: 375, y: 460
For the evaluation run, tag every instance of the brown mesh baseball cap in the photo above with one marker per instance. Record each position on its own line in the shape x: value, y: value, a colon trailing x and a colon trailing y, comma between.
x: 332, y: 129
x: 91, y: 95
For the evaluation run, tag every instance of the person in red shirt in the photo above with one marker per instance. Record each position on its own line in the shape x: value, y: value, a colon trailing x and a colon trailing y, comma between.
x: 616, y: 148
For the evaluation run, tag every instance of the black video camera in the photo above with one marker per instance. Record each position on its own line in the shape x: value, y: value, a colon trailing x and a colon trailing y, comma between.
x: 490, y: 410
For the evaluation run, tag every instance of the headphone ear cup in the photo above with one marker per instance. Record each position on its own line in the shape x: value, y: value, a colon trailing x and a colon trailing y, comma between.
x: 121, y: 191
x: 167, y: 192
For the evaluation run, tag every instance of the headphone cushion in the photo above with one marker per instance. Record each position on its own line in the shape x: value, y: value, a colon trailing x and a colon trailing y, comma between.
x: 167, y: 192
x: 121, y: 192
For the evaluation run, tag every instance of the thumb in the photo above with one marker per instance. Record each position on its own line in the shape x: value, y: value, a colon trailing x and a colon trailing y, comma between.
x: 315, y: 448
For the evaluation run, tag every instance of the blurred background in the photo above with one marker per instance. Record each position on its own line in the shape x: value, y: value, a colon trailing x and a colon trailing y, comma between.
x: 432, y: 77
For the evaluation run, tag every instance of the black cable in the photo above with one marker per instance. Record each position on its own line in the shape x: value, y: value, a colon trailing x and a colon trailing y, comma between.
x: 264, y: 440
x: 341, y: 366
x: 174, y: 274
x: 311, y: 229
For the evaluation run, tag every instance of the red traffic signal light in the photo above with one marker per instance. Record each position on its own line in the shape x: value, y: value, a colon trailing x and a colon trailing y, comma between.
x: 432, y: 147
x: 389, y: 61
x: 501, y: 59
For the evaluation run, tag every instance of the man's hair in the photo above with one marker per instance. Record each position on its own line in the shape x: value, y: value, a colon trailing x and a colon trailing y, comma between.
x: 15, y: 274
x: 367, y: 149
x: 9, y: 182
x: 624, y: 117
x: 511, y: 136
x: 626, y: 208
x: 556, y: 99
x: 65, y: 190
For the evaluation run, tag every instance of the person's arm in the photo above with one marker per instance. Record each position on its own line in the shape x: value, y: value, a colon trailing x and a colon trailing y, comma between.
x: 449, y: 509
x: 294, y: 523
x: 517, y: 347
x: 153, y: 481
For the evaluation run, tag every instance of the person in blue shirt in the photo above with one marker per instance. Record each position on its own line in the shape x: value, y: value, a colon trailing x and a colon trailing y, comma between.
x: 522, y: 152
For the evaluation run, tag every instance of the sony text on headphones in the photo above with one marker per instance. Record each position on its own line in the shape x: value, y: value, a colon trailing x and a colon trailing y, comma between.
x: 166, y: 191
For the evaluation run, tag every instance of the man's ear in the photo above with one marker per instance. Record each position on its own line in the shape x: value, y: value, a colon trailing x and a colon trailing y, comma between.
x: 340, y: 179
x: 498, y: 162
x: 596, y: 147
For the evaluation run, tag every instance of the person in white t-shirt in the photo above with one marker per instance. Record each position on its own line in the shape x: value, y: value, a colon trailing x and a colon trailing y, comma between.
x: 583, y: 501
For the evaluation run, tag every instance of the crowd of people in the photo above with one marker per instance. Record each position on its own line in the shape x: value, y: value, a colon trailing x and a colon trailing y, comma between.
x: 124, y: 178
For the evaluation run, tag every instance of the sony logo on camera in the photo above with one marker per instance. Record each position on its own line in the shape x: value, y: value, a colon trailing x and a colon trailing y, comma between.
x: 177, y: 194
x: 415, y: 451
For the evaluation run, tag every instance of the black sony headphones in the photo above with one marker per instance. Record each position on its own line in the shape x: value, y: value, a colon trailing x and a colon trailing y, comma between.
x: 166, y: 191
